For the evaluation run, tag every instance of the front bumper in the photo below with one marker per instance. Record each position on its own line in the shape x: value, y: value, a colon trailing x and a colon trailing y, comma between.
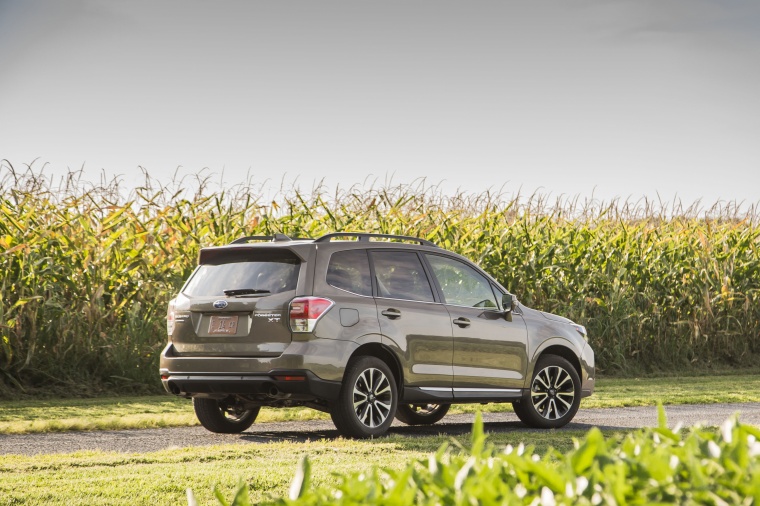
x: 588, y: 380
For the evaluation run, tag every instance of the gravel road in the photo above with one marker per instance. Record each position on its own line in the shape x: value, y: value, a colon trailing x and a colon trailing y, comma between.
x: 135, y: 441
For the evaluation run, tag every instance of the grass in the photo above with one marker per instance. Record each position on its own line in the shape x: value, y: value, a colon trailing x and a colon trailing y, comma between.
x: 675, y: 390
x: 112, y: 413
x: 100, y: 478
x: 165, y: 411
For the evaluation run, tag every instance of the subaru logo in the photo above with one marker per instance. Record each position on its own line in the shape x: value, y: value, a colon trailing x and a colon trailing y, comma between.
x: 220, y: 304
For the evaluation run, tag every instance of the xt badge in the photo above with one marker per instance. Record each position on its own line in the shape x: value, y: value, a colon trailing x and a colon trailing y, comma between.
x: 271, y: 317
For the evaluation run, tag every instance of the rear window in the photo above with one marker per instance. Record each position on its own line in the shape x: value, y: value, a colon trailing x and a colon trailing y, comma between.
x: 244, y: 270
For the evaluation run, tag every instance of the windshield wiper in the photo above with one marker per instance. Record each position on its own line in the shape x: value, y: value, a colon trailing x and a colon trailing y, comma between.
x: 244, y: 291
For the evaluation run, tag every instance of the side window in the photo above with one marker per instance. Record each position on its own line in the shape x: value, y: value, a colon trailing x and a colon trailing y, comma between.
x: 400, y: 276
x: 461, y: 284
x: 349, y: 270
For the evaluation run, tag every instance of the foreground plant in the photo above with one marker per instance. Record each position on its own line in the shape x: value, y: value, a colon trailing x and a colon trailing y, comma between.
x: 649, y: 466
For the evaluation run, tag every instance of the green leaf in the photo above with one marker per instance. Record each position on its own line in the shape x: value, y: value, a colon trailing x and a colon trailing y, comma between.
x: 25, y: 301
x: 191, y: 498
x: 584, y: 456
x: 478, y: 436
x: 220, y: 497
x: 300, y: 482
x: 662, y: 420
x: 241, y: 496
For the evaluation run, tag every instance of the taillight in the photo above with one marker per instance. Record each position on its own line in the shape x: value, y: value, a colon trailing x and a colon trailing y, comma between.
x: 170, y: 318
x: 305, y: 312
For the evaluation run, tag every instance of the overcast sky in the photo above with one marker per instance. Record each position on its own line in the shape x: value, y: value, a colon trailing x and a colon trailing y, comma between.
x: 618, y: 98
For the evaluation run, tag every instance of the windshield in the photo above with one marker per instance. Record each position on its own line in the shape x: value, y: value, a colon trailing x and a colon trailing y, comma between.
x: 244, y: 278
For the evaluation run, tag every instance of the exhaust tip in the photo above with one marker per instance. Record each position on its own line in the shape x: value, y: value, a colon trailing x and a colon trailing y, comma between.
x: 270, y: 390
x: 173, y: 388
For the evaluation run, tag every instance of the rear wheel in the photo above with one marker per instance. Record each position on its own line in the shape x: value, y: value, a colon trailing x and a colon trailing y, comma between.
x: 367, y: 400
x: 223, y: 416
x: 554, y: 396
x: 421, y: 414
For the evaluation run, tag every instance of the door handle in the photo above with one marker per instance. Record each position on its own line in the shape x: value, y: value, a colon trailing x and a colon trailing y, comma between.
x: 391, y: 313
x: 462, y: 322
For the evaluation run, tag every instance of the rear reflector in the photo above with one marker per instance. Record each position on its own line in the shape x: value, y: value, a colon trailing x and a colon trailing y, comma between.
x: 305, y: 312
x: 290, y: 378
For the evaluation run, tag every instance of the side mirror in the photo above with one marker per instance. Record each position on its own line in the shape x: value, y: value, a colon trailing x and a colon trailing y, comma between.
x: 508, y: 302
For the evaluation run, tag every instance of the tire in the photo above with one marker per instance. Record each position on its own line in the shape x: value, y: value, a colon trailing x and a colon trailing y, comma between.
x: 367, y: 400
x: 421, y: 414
x: 223, y: 417
x: 554, y: 395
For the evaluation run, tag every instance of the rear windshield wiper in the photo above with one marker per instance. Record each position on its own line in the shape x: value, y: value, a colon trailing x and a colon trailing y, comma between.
x: 244, y: 291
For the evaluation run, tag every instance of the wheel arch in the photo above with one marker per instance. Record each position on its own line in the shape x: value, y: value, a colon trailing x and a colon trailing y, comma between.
x: 386, y: 355
x: 567, y: 354
x: 560, y: 348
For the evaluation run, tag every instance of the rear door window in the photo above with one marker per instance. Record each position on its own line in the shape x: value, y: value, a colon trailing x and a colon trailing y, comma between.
x: 349, y: 270
x: 400, y: 275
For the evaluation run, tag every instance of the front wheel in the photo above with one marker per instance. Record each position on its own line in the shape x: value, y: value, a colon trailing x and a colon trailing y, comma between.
x: 421, y: 414
x: 222, y: 416
x: 367, y: 401
x: 554, y: 396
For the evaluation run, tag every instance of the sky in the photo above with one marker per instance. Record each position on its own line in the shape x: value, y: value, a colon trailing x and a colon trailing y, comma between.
x: 594, y: 98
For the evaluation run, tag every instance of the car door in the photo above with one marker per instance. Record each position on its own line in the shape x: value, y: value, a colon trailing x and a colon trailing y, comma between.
x: 414, y: 322
x: 490, y: 352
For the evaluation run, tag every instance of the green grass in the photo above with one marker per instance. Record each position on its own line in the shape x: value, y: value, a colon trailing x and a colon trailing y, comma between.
x: 99, y: 478
x: 165, y: 411
x: 111, y: 413
x: 620, y: 392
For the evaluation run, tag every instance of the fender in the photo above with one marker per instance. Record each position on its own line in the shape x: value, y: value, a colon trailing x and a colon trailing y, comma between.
x: 554, y: 341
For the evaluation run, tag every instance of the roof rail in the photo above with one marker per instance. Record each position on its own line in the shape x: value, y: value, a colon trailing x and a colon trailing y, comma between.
x: 273, y: 238
x: 367, y: 237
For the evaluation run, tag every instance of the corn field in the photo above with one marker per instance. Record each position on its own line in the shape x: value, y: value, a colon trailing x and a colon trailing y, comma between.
x: 86, y: 271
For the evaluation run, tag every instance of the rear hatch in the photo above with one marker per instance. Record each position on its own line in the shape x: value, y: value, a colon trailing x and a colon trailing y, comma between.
x: 235, y: 304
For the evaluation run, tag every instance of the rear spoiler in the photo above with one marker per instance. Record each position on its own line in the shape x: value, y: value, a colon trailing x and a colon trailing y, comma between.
x: 248, y: 252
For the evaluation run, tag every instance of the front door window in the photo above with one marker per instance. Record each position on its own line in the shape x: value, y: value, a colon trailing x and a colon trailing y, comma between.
x: 461, y: 284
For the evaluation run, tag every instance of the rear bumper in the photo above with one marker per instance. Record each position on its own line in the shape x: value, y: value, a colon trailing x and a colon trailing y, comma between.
x: 277, y: 384
x: 319, y: 362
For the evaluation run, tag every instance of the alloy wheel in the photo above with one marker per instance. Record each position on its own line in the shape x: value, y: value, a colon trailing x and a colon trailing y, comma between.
x: 234, y: 412
x: 372, y: 397
x: 424, y: 409
x: 552, y: 392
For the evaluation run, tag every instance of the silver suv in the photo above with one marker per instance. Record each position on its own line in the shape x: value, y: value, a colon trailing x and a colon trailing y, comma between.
x: 366, y: 327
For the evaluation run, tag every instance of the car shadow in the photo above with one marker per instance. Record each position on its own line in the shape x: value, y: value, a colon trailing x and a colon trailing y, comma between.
x: 413, y: 431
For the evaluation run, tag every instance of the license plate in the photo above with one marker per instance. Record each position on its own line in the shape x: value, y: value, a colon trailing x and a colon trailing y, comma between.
x: 223, y: 325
